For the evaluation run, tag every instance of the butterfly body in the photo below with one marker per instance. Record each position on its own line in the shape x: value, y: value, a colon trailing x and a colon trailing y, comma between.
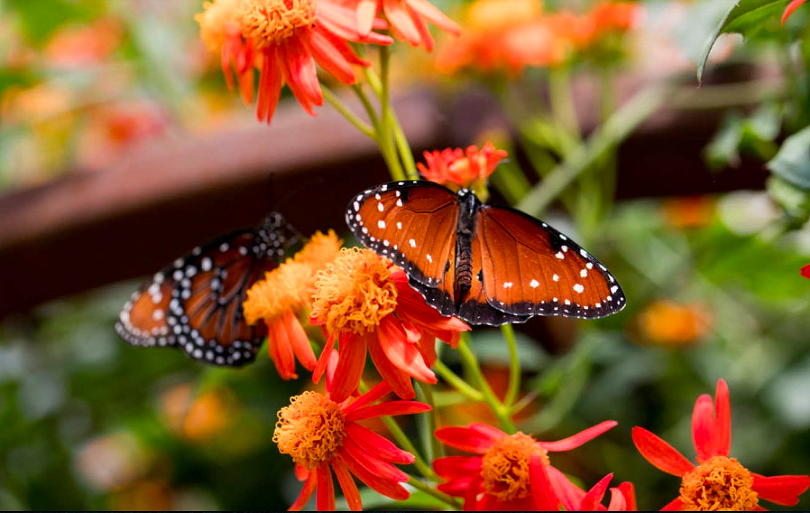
x: 195, y: 303
x: 484, y: 264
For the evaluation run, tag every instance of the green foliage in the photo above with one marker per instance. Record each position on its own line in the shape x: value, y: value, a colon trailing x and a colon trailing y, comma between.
x: 753, y: 135
x: 792, y: 163
x: 38, y: 20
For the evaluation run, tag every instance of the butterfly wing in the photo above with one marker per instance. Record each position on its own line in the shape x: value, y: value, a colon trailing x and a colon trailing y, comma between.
x: 529, y: 268
x: 412, y: 223
x: 195, y: 304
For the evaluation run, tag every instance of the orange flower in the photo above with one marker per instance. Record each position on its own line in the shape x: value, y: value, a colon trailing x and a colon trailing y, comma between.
x: 791, y: 8
x: 285, y: 39
x: 669, y: 323
x: 368, y: 306
x: 408, y: 19
x: 507, y: 472
x: 688, y: 212
x: 614, y: 16
x: 717, y: 482
x: 323, y: 436
x: 86, y: 45
x: 282, y: 293
x: 461, y: 169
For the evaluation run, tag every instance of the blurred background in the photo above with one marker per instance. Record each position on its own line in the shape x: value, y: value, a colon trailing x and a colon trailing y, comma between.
x: 121, y: 148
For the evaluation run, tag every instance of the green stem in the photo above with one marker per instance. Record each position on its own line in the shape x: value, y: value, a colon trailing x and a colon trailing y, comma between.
x: 514, y: 365
x: 616, y: 129
x: 386, y: 127
x: 370, y: 112
x: 405, y: 152
x: 427, y: 421
x: 457, y: 382
x: 347, y: 113
x: 470, y: 362
x: 562, y: 101
x: 419, y: 485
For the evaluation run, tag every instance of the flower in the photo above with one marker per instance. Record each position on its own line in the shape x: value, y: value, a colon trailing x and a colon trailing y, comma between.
x: 282, y: 293
x: 323, y: 436
x: 368, y: 306
x: 622, y: 497
x: 717, y: 482
x: 284, y: 39
x: 806, y: 271
x: 407, y: 18
x: 508, y: 471
x: 791, y: 7
x: 461, y: 169
x: 668, y: 323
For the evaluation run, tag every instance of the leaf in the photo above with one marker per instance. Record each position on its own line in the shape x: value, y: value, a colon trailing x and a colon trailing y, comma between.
x: 792, y: 162
x: 743, y: 16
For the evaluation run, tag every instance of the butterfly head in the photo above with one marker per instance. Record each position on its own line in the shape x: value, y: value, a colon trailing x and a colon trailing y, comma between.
x: 276, y: 234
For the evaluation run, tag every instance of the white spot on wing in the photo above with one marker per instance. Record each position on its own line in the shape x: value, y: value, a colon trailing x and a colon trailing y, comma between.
x: 578, y: 288
x: 412, y: 243
x: 380, y: 206
x: 559, y: 255
x: 556, y: 277
x: 534, y: 284
x: 381, y: 224
x: 583, y: 273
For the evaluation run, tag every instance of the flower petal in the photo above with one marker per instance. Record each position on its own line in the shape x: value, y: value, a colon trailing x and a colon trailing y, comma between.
x: 329, y: 57
x: 450, y: 467
x: 280, y: 349
x: 378, y: 445
x: 782, y: 490
x: 347, y: 484
x: 570, y: 495
x: 674, y: 505
x: 434, y: 15
x: 703, y: 428
x: 572, y: 442
x: 352, y: 359
x: 325, y: 498
x: 402, y: 352
x: 386, y: 487
x: 372, y: 463
x: 791, y: 7
x: 401, y: 21
x: 269, y: 85
x: 542, y: 492
x: 378, y: 391
x: 629, y: 492
x: 593, y: 498
x: 465, y: 439
x: 300, y: 73
x: 306, y: 492
x: 722, y: 419
x: 366, y: 11
x: 390, y: 408
x: 399, y: 381
x: 300, y: 341
x: 323, y: 359
x: 658, y: 452
x: 617, y: 501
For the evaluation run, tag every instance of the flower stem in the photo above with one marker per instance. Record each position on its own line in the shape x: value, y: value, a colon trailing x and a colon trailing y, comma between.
x: 457, y: 382
x: 386, y: 127
x: 562, y: 102
x: 470, y: 362
x: 514, y: 365
x: 419, y: 485
x: 427, y: 421
x: 347, y: 113
x: 372, y: 114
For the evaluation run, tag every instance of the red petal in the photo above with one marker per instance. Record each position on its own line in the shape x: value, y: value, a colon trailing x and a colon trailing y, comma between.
x: 372, y: 463
x: 366, y: 11
x: 401, y: 352
x: 703, y: 428
x: 325, y: 498
x: 299, y: 341
x: 306, y: 492
x: 401, y: 21
x: 390, y: 408
x: 662, y: 455
x: 301, y: 472
x: 673, y: 505
x: 421, y: 26
x: 399, y: 381
x: 593, y: 498
x: 543, y: 495
x: 572, y: 442
x: 569, y: 494
x: 378, y: 445
x: 379, y: 391
x: 323, y: 360
x: 465, y: 439
x: 383, y: 486
x: 783, y: 490
x: 454, y: 467
x: 352, y: 354
x: 792, y: 6
x: 348, y: 485
x: 300, y: 73
x: 329, y: 57
x: 629, y: 492
x: 431, y: 13
x: 280, y: 349
x: 617, y: 501
x: 486, y: 430
x: 269, y: 85
x: 722, y: 419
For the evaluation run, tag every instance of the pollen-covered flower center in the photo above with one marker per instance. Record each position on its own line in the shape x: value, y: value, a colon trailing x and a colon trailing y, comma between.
x: 354, y: 292
x: 217, y: 22
x: 719, y: 483
x: 269, y: 22
x: 310, y: 429
x: 505, y: 468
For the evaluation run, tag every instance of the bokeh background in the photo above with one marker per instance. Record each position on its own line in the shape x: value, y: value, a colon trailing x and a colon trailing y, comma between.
x: 121, y: 147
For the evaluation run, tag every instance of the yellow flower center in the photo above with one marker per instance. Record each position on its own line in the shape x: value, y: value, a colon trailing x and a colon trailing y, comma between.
x: 217, y: 21
x: 285, y: 288
x: 505, y: 468
x: 353, y: 292
x: 310, y: 429
x: 320, y: 250
x: 719, y: 483
x: 269, y: 22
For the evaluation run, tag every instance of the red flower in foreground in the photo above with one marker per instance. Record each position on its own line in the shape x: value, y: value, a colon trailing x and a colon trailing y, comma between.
x: 284, y: 38
x: 324, y: 437
x: 622, y: 497
x: 717, y: 482
x: 407, y: 17
x: 368, y: 307
x: 461, y: 168
x: 791, y: 7
x: 508, y: 472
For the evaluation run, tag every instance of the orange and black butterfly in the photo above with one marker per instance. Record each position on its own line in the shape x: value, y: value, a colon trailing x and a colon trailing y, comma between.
x: 195, y: 303
x: 484, y: 264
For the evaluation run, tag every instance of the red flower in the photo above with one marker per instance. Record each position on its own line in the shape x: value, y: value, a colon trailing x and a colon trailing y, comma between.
x: 508, y: 472
x: 285, y: 39
x: 717, y: 482
x: 407, y: 17
x: 622, y: 497
x: 806, y: 271
x: 368, y: 307
x: 324, y: 437
x: 461, y: 168
x: 791, y: 7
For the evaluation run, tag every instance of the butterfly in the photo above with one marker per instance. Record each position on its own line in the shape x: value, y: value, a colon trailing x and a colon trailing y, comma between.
x: 195, y: 303
x: 484, y: 264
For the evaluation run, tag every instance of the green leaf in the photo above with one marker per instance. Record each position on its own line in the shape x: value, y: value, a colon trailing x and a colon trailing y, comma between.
x: 743, y: 16
x: 792, y: 162
x: 38, y: 20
